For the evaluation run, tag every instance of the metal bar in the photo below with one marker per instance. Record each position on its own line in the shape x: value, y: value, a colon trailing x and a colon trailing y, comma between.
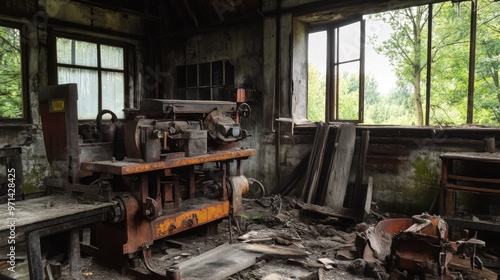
x: 192, y: 185
x: 472, y: 62
x: 158, y: 193
x: 429, y: 68
x: 224, y: 177
x: 177, y: 192
x: 239, y: 170
x: 230, y: 225
x: 144, y: 188
x: 361, y: 105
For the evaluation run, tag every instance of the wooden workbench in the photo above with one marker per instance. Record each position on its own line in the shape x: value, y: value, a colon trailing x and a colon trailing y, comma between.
x: 48, y: 215
x: 482, y: 179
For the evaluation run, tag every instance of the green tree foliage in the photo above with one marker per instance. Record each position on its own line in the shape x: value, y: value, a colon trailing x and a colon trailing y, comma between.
x: 487, y: 84
x: 450, y: 63
x: 11, y: 97
x: 395, y: 108
x: 406, y: 49
x: 348, y: 96
x: 316, y: 97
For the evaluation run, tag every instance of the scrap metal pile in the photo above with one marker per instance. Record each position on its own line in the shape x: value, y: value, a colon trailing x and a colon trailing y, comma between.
x: 417, y: 247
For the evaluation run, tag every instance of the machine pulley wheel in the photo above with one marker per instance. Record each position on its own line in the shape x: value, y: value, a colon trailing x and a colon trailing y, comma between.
x: 116, y: 212
x: 151, y: 209
x: 244, y: 110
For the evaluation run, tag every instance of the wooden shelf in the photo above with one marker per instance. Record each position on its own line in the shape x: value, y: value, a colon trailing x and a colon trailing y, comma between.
x: 452, y: 181
x: 472, y: 189
x: 479, y: 225
x: 474, y: 179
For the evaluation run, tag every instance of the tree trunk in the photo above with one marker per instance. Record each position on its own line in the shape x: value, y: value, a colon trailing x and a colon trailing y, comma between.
x: 419, y: 115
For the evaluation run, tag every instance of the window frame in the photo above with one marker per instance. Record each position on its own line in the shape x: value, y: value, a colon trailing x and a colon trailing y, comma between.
x: 188, y: 83
x: 332, y: 73
x: 26, y: 118
x: 330, y: 97
x: 53, y: 79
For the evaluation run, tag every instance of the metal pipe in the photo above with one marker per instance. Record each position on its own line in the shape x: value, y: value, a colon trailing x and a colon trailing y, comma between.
x: 277, y: 94
x: 262, y: 188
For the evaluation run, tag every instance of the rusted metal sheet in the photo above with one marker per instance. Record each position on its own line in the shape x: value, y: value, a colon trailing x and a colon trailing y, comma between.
x: 379, y: 238
x: 419, y: 246
x: 168, y: 225
x: 127, y: 168
x: 140, y: 233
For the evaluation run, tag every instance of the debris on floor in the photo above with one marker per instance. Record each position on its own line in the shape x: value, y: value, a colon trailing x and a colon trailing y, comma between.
x: 284, y: 239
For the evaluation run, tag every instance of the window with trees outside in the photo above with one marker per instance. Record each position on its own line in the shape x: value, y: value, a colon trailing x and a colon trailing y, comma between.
x: 436, y: 64
x: 12, y: 96
x: 99, y: 72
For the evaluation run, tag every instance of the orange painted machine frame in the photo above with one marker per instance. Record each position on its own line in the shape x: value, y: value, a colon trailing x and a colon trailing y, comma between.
x: 135, y: 232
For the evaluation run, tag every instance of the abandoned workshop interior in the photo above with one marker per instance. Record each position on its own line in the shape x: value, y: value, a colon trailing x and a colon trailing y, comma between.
x: 249, y: 139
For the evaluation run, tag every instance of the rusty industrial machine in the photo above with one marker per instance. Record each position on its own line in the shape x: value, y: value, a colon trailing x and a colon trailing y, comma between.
x: 166, y: 167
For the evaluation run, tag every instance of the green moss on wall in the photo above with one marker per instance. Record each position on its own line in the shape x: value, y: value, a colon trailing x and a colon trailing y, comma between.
x: 425, y: 183
x: 414, y: 189
x: 35, y: 170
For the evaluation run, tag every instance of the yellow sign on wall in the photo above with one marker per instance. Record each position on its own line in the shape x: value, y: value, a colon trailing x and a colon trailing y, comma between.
x: 56, y: 105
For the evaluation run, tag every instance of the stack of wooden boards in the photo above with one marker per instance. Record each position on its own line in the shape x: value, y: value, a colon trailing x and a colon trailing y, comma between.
x: 328, y: 165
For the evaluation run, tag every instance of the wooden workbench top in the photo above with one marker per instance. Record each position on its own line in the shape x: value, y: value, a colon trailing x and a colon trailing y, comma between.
x: 127, y: 168
x: 47, y: 210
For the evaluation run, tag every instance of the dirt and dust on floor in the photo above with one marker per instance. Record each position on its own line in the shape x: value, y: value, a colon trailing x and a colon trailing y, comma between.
x: 281, y: 238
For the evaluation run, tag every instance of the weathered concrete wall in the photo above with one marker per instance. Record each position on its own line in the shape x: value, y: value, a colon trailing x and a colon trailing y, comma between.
x: 406, y: 169
x: 36, y: 18
x: 240, y: 45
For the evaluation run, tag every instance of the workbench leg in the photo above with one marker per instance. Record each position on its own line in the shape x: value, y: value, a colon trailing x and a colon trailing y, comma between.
x: 34, y: 255
x: 75, y: 262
